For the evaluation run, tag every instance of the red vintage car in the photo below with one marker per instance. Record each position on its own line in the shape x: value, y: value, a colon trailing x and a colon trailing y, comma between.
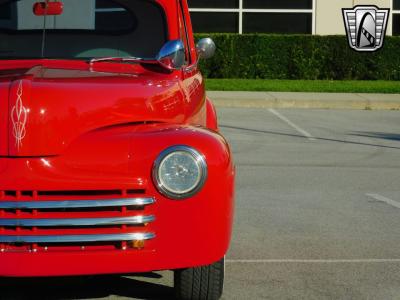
x: 111, y: 161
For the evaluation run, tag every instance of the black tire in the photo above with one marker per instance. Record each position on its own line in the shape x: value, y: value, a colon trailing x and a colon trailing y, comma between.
x: 202, y: 283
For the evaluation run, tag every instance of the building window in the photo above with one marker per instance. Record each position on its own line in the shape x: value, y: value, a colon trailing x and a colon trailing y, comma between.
x: 396, y: 4
x: 396, y: 24
x: 215, y: 22
x: 252, y: 16
x: 396, y: 17
x: 213, y: 3
x: 277, y: 23
x: 5, y: 13
x: 282, y: 4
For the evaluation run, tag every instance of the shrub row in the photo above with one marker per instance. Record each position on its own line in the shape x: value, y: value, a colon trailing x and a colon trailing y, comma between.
x: 266, y: 56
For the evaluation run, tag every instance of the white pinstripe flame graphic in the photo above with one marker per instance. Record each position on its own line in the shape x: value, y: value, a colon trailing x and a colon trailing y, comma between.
x: 19, y: 116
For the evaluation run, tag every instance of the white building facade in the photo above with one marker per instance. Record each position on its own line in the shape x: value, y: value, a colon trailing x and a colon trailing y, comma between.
x: 321, y: 17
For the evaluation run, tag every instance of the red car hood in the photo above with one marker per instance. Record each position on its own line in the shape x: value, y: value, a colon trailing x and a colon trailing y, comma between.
x: 43, y: 109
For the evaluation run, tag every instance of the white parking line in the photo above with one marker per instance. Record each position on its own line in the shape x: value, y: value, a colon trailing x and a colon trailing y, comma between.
x: 290, y: 123
x: 312, y: 261
x: 384, y: 199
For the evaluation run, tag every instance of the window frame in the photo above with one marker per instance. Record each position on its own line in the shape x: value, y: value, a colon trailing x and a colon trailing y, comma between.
x: 241, y: 10
x: 183, y: 32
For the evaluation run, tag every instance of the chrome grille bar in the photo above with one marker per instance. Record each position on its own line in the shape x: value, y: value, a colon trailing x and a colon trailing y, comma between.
x: 76, y: 222
x: 76, y: 238
x: 75, y: 203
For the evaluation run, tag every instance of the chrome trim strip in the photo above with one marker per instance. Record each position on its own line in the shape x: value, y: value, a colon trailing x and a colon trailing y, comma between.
x: 76, y: 222
x: 76, y: 238
x: 75, y: 203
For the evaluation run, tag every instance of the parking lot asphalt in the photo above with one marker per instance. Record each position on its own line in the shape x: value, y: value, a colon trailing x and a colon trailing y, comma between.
x: 317, y: 213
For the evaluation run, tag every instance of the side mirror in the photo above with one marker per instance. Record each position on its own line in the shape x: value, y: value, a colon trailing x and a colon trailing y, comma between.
x: 206, y: 48
x: 172, y: 55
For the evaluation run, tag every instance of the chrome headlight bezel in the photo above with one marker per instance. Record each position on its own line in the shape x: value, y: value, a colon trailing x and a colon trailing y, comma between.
x: 200, y: 162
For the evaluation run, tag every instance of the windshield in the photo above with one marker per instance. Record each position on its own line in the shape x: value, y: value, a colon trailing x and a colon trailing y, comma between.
x: 85, y: 29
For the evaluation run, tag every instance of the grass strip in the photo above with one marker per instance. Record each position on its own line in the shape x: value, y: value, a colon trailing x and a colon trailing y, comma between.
x: 317, y: 86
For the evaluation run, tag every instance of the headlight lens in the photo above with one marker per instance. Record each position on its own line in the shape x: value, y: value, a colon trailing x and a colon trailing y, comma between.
x: 180, y: 172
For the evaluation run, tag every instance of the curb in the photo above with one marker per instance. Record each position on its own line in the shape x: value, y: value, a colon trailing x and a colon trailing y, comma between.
x: 305, y: 100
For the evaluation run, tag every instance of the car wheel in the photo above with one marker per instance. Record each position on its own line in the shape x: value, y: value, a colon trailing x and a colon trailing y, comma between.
x: 201, y: 283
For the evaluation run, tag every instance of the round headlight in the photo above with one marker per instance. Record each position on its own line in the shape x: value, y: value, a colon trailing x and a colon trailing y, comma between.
x: 180, y: 172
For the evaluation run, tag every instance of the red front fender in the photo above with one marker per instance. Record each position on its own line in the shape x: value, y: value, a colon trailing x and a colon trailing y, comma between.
x: 189, y: 233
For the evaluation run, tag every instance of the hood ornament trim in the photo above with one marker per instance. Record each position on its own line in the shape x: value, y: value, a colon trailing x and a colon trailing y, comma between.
x: 19, y: 116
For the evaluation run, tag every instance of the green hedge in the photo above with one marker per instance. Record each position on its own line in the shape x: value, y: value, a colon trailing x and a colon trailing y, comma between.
x: 266, y: 56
